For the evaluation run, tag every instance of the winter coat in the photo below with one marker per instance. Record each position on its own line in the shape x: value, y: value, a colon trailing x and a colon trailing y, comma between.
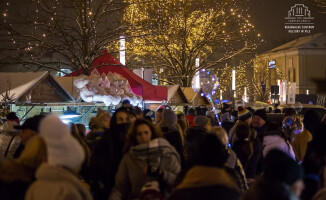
x: 265, y: 189
x: 202, y: 182
x: 131, y: 177
x: 9, y: 141
x: 55, y: 183
x: 251, y: 164
x: 300, y: 143
x: 277, y: 142
x: 14, y: 180
x: 239, y: 174
x: 174, y: 138
x: 190, y: 119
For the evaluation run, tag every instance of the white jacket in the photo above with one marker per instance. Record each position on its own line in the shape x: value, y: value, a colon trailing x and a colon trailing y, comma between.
x: 277, y: 142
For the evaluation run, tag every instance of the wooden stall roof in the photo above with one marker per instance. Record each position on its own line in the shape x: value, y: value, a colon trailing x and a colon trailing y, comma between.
x: 176, y: 95
x: 68, y: 84
x: 33, y: 88
x: 194, y: 98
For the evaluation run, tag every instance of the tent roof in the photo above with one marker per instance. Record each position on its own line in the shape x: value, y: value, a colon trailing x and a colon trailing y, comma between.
x: 173, y: 89
x: 21, y: 82
x: 191, y: 95
x: 107, y: 63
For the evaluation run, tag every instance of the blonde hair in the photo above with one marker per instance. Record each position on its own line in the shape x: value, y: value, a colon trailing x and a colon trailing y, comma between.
x: 221, y: 134
x: 34, y: 153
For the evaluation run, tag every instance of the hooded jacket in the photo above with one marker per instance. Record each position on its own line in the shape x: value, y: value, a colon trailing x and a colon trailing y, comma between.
x: 277, y: 142
x: 55, y: 183
x: 203, y: 182
x: 130, y: 178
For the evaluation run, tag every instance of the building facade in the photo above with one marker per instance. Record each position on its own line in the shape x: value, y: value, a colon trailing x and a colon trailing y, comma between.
x: 300, y: 61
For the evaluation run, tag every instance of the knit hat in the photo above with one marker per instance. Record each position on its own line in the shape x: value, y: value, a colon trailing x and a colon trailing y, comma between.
x: 201, y: 121
x: 279, y: 166
x: 62, y: 148
x: 243, y: 113
x: 261, y: 113
x: 169, y: 117
x: 225, y: 117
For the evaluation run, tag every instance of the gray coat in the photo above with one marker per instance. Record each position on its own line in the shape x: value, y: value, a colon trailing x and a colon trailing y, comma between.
x: 131, y: 175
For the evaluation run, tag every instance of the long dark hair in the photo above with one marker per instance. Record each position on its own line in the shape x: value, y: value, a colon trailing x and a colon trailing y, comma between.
x: 132, y: 133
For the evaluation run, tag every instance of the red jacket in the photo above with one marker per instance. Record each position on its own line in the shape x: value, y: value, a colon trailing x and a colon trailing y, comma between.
x: 190, y: 119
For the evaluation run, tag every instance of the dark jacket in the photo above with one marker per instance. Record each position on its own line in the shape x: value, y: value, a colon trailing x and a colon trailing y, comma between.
x: 15, y: 180
x: 207, y: 183
x: 227, y: 126
x: 265, y: 189
x: 174, y: 138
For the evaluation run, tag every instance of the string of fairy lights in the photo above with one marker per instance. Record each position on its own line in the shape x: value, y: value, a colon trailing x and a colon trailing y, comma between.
x: 166, y: 35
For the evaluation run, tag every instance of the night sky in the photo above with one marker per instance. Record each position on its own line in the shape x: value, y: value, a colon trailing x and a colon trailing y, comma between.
x: 268, y: 17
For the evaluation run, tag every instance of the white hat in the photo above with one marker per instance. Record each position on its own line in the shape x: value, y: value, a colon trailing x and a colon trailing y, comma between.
x: 62, y: 148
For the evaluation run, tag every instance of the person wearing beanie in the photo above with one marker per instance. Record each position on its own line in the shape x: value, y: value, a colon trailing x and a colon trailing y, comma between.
x: 203, y: 122
x: 259, y: 122
x: 57, y: 177
x: 171, y: 131
x: 282, y: 179
x: 191, y: 116
x: 244, y: 118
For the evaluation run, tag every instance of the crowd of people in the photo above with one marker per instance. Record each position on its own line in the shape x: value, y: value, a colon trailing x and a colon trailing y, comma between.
x: 163, y: 154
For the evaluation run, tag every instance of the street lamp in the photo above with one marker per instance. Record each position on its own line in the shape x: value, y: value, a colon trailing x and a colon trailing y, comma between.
x: 123, y: 50
x: 233, y: 88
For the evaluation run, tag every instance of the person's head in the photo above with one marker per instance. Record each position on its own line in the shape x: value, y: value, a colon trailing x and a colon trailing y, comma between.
x: 13, y: 117
x: 126, y: 103
x: 142, y: 131
x: 30, y: 128
x: 169, y: 118
x: 277, y: 110
x: 203, y: 122
x: 244, y: 115
x: 289, y: 112
x: 199, y: 111
x: 132, y: 114
x: 211, y: 152
x: 191, y: 111
x: 158, y: 115
x: 103, y: 119
x: 225, y: 117
x: 250, y: 109
x: 221, y: 134
x: 139, y: 113
x: 242, y: 132
x: 34, y: 153
x: 280, y: 167
x: 62, y: 148
x: 273, y: 128
x: 259, y: 118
